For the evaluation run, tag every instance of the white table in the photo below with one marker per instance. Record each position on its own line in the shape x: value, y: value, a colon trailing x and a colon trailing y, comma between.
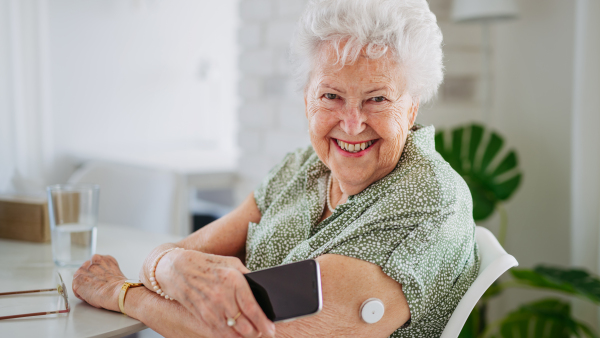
x: 25, y: 266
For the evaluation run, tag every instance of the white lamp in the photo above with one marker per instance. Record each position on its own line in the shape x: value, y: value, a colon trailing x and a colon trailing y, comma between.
x: 484, y: 11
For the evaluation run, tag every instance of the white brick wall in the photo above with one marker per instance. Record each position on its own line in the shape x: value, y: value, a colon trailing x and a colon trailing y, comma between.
x: 249, y: 35
x: 256, y: 10
x: 257, y: 62
x: 271, y: 113
x: 279, y: 33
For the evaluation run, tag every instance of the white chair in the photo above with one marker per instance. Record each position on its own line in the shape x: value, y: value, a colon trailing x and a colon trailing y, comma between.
x: 133, y: 196
x: 494, y: 262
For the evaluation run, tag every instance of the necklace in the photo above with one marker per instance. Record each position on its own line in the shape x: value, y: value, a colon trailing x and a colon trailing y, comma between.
x: 329, y: 182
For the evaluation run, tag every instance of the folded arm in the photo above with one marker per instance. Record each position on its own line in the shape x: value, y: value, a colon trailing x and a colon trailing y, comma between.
x: 210, y: 287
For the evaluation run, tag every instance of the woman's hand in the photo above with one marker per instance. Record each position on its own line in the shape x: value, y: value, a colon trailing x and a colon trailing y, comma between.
x: 213, y: 289
x: 98, y: 282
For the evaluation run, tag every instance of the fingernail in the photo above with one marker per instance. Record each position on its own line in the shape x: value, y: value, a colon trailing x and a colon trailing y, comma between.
x: 271, y: 330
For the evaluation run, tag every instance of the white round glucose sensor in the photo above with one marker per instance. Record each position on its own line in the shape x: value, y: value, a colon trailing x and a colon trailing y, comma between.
x: 371, y: 311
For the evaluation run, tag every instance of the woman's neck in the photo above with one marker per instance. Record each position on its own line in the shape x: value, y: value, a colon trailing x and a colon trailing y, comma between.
x: 337, y: 196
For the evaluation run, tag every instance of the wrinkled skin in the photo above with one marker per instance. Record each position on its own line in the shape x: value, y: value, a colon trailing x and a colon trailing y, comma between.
x: 357, y: 103
x: 98, y: 282
x: 212, y: 285
x: 212, y: 288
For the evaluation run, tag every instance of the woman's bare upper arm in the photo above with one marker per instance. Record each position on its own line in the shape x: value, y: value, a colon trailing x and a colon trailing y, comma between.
x: 227, y: 235
x: 347, y: 283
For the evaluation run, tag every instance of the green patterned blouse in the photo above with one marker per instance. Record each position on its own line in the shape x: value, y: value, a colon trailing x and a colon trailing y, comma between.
x: 415, y: 223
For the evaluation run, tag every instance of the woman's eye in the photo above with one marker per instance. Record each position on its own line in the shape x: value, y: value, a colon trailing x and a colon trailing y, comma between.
x: 331, y: 96
x: 378, y: 99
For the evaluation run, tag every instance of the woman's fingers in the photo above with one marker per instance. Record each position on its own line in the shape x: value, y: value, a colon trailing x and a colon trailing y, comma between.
x: 214, y: 289
x: 96, y: 258
x: 76, y: 294
x: 238, y: 265
x: 244, y: 328
x: 215, y: 323
x: 242, y: 325
x: 251, y: 310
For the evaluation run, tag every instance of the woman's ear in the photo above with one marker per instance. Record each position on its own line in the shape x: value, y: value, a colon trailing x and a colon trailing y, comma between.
x: 414, y: 110
x: 305, y: 103
x: 307, y: 92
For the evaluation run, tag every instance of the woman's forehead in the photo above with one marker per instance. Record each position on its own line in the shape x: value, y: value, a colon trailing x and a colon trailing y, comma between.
x: 366, y: 74
x: 364, y: 71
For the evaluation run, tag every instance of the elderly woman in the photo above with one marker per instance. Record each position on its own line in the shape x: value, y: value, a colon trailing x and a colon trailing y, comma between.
x: 371, y: 200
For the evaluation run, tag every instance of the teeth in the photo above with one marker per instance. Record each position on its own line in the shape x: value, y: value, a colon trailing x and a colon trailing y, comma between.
x: 354, y: 148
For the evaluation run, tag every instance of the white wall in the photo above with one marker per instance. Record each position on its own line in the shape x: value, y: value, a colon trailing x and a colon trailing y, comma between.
x: 585, y: 189
x: 145, y: 75
x: 533, y: 69
x: 271, y: 112
x: 22, y: 93
x: 6, y: 155
x: 118, y: 78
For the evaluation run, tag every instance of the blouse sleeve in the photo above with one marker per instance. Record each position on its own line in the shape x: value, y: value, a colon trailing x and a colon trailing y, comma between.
x: 279, y: 176
x: 426, y: 244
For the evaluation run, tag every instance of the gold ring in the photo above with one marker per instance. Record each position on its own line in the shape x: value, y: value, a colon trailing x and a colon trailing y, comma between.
x: 231, y: 321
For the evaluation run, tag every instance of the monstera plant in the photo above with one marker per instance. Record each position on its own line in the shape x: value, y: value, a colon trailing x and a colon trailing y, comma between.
x: 493, y: 176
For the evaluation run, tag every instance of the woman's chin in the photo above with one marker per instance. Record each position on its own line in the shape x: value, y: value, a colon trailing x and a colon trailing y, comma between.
x: 353, y: 174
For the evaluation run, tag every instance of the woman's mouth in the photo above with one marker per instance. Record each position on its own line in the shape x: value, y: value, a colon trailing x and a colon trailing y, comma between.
x: 354, y: 148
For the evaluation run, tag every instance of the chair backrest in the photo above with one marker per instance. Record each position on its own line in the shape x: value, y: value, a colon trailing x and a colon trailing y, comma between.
x: 138, y: 197
x: 494, y: 262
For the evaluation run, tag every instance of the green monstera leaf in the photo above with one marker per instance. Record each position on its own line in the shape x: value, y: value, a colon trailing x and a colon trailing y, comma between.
x: 472, y: 152
x: 572, y: 281
x: 548, y: 318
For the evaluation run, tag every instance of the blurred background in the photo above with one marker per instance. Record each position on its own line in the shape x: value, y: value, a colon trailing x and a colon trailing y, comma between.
x: 196, y: 98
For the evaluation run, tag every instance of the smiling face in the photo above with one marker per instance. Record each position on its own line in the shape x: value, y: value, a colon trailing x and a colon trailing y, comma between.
x: 358, y: 117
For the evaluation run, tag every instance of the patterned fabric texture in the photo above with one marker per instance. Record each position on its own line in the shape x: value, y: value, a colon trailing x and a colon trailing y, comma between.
x: 415, y: 223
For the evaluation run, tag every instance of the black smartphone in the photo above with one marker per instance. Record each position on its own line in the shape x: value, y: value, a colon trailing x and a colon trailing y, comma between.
x: 289, y: 291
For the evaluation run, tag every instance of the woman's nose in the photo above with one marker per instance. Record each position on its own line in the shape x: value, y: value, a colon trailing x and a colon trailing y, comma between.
x: 353, y: 120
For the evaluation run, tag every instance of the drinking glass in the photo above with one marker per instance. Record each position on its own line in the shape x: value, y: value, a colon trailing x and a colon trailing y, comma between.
x: 73, y: 213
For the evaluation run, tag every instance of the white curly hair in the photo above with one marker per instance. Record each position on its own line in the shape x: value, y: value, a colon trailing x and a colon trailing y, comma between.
x: 407, y: 28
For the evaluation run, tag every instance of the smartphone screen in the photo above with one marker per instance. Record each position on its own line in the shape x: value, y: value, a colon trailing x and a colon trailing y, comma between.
x: 288, y: 291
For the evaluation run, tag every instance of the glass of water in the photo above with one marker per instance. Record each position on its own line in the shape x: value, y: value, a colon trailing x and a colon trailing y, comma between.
x: 73, y: 213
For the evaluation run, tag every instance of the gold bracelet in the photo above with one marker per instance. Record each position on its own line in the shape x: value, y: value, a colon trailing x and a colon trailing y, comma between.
x: 130, y: 283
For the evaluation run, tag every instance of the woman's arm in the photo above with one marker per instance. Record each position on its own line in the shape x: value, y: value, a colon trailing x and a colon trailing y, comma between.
x: 347, y: 283
x: 99, y: 280
x: 170, y: 319
x: 225, y: 237
x: 207, y: 278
